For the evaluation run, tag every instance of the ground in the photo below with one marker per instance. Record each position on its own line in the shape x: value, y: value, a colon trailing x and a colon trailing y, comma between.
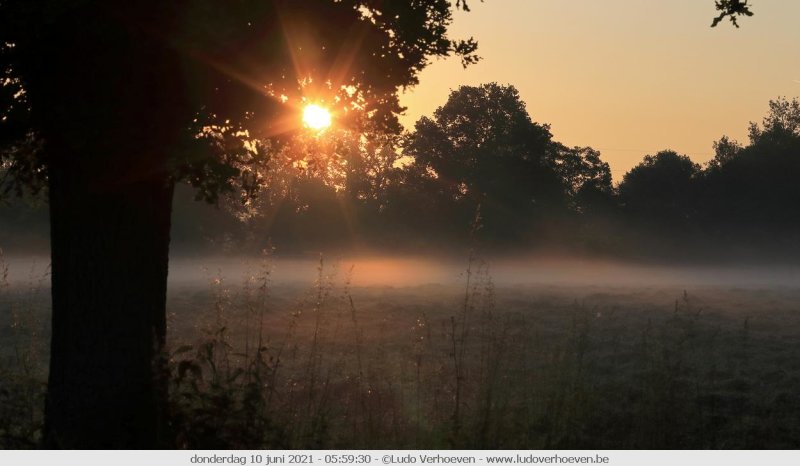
x: 318, y: 357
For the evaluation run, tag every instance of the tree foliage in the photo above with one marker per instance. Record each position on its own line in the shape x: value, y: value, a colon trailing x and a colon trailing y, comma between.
x: 661, y: 189
x: 482, y: 148
x: 227, y: 72
x: 731, y: 9
x: 754, y: 188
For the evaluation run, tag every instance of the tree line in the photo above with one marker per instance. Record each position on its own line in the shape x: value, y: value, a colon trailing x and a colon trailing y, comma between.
x: 480, y: 170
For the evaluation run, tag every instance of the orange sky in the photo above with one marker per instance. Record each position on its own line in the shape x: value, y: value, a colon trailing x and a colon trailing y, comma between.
x: 627, y: 77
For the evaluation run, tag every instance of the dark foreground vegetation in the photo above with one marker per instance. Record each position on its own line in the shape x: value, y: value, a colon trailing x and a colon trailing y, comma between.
x: 252, y: 365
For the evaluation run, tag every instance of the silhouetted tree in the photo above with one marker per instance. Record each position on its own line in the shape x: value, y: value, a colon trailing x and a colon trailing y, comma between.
x: 661, y: 191
x: 782, y: 123
x: 482, y: 148
x: 586, y: 176
x: 108, y: 103
x: 725, y: 150
x: 731, y: 9
x: 752, y: 192
x: 353, y: 168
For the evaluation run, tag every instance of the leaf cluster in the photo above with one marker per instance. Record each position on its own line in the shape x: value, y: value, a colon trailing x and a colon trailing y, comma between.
x: 731, y: 9
x: 152, y: 74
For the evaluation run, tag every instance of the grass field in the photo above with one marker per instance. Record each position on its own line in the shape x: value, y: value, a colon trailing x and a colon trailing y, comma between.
x: 337, y: 363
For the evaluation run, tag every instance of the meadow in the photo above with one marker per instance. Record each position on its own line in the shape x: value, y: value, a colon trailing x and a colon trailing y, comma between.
x: 326, y: 359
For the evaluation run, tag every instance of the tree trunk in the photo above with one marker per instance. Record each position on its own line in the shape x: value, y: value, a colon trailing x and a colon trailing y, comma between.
x: 106, y: 87
x: 109, y: 274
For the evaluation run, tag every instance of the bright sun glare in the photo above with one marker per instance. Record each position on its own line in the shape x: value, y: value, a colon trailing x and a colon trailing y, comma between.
x: 316, y: 117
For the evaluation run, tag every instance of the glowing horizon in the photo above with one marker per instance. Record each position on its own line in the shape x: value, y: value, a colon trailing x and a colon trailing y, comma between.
x: 627, y: 78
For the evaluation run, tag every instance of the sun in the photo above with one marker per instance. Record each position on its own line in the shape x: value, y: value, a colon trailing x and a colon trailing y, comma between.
x: 316, y: 117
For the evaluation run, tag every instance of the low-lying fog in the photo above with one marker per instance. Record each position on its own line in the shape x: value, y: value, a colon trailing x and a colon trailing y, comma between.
x: 415, y: 271
x: 400, y: 272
